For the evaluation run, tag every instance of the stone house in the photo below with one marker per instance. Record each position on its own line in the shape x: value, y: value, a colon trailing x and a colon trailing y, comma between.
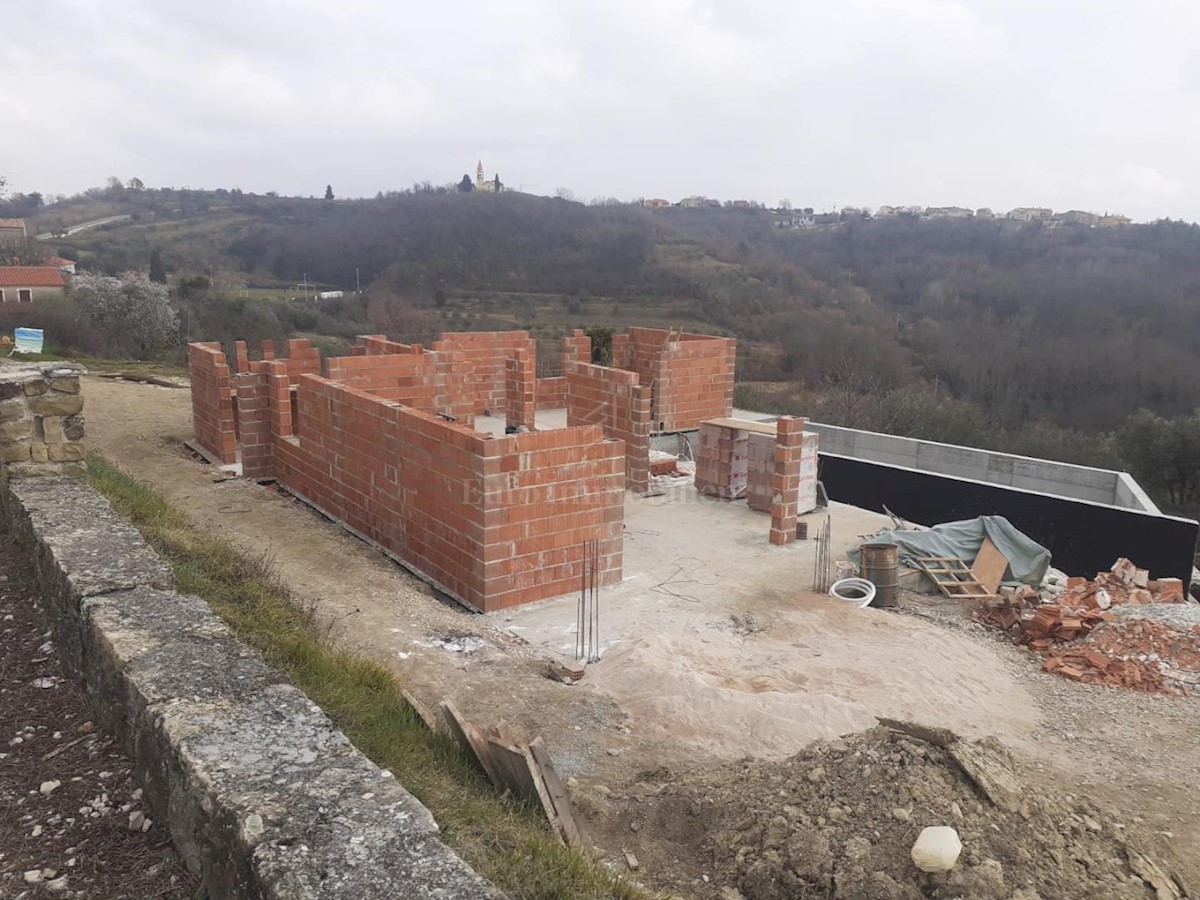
x: 25, y: 284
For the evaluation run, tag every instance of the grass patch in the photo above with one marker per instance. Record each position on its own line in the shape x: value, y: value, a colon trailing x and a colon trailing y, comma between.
x: 507, y: 841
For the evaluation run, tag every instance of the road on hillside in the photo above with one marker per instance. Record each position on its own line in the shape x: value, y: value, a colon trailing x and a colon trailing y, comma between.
x: 83, y: 226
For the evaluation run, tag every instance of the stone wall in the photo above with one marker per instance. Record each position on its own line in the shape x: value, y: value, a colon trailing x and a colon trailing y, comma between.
x: 41, y: 419
x: 263, y: 797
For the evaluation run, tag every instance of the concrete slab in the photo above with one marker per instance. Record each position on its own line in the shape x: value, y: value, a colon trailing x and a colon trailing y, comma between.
x: 715, y: 638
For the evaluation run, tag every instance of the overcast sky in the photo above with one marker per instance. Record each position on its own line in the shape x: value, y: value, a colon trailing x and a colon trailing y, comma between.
x: 1088, y: 104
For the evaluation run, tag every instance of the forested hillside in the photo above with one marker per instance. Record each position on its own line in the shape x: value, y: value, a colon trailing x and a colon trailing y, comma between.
x: 1022, y: 337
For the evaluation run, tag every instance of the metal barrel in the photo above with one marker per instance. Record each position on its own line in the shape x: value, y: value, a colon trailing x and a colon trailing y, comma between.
x: 880, y: 565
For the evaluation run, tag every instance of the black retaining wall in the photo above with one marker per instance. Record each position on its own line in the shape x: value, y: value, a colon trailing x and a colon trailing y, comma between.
x: 1083, y: 537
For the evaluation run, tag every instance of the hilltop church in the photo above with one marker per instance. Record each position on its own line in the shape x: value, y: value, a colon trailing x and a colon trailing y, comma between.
x: 488, y: 185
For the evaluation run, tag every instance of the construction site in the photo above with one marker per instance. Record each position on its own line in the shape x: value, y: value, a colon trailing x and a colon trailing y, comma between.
x: 744, y: 655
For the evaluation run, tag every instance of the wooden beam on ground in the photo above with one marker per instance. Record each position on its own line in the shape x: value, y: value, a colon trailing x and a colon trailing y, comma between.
x: 564, y: 820
x: 432, y: 722
x: 471, y: 739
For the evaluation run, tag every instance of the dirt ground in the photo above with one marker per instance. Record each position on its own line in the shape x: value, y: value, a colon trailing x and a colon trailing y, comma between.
x: 66, y: 792
x: 802, y: 660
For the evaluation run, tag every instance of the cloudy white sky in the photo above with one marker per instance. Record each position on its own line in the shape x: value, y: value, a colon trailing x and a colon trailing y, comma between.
x: 1070, y: 103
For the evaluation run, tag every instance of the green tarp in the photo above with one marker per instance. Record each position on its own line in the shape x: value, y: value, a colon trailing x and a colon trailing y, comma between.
x: 1027, y: 559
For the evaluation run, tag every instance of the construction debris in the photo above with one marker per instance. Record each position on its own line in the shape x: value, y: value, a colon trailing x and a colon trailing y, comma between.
x: 1082, y: 638
x: 524, y: 770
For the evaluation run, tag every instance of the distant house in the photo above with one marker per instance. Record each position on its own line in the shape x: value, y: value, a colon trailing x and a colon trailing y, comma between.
x: 795, y: 220
x: 66, y: 266
x: 693, y: 202
x: 949, y: 212
x: 25, y: 284
x: 1029, y: 213
x: 885, y: 212
x: 1114, y: 221
x: 12, y: 231
x: 984, y: 213
x: 1078, y: 217
x: 656, y: 203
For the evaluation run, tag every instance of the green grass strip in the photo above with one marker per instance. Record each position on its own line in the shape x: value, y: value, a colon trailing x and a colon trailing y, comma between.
x: 507, y: 841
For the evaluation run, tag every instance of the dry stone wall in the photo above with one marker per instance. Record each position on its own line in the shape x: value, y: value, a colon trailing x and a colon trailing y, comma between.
x: 263, y: 797
x: 41, y: 419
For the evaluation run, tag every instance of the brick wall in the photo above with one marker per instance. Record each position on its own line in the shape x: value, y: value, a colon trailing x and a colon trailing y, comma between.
x: 519, y: 395
x: 614, y: 400
x: 302, y: 358
x: 551, y: 393
x: 212, y: 402
x: 695, y: 382
x: 690, y: 375
x: 479, y: 365
x: 254, y: 421
x: 495, y: 522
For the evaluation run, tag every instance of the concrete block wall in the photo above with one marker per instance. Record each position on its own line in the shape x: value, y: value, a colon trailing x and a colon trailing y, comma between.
x: 760, y: 477
x: 614, y: 400
x: 41, y: 419
x: 212, y: 402
x: 720, y: 447
x: 261, y: 795
x: 520, y: 404
x: 1026, y: 473
x: 494, y: 522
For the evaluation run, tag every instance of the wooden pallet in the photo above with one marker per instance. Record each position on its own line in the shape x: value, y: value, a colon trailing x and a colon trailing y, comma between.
x: 954, y: 578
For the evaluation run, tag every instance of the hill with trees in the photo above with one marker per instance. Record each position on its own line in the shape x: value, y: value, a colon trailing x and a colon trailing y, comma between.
x: 1022, y: 337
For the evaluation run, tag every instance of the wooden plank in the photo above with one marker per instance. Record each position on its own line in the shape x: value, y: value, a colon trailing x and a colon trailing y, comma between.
x: 471, y: 739
x: 558, y: 794
x: 990, y: 565
x: 519, y: 773
x: 991, y: 770
x: 432, y: 722
x: 742, y: 425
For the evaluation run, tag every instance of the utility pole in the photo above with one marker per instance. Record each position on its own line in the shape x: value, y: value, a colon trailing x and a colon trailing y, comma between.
x: 357, y: 283
x: 305, y: 287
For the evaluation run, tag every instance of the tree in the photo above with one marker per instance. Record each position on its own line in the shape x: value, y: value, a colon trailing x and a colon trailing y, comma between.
x: 136, y: 315
x: 785, y: 204
x: 136, y: 184
x: 328, y: 192
x: 466, y: 185
x: 157, y: 273
x: 1164, y: 455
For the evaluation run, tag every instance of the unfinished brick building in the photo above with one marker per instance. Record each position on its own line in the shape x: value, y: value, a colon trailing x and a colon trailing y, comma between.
x: 385, y: 443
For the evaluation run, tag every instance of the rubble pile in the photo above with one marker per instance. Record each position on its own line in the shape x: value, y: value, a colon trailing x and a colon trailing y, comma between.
x: 1142, y: 654
x: 841, y: 818
x: 1074, y: 626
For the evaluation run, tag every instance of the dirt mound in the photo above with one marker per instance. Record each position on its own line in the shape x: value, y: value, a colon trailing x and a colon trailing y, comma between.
x: 839, y: 820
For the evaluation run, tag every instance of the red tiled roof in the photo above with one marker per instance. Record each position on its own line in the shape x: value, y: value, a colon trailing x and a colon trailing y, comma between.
x: 31, y: 276
x: 12, y: 223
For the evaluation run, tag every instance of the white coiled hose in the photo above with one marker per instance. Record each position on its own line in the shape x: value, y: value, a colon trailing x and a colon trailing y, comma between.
x: 855, y: 590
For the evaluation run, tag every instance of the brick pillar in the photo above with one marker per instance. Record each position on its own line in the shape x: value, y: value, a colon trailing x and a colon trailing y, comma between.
x: 254, y: 420
x: 241, y: 357
x: 520, y: 398
x: 637, y: 439
x: 279, y: 396
x: 785, y: 484
x: 268, y: 348
x: 576, y: 348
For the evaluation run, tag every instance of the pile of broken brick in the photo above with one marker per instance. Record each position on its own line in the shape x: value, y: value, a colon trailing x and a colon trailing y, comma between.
x: 1079, y: 637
